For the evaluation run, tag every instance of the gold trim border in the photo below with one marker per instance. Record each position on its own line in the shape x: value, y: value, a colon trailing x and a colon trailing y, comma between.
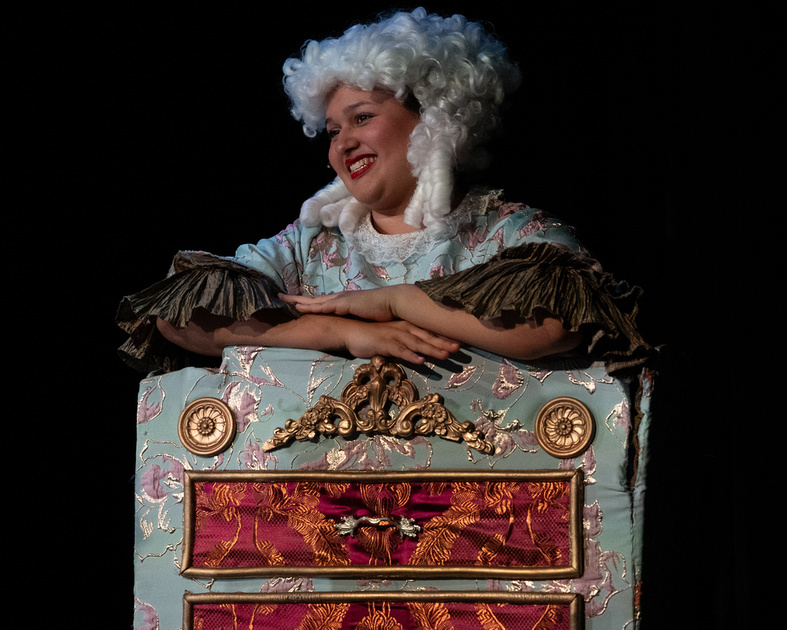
x: 574, y: 569
x: 574, y: 601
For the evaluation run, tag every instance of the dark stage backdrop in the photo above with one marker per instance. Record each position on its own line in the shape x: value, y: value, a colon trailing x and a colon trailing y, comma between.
x: 170, y: 130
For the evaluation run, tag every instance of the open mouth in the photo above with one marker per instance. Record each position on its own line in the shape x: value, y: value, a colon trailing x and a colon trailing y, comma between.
x: 360, y: 165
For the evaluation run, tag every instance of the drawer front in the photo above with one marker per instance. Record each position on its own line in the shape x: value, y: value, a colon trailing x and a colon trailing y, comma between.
x: 517, y: 524
x: 384, y: 611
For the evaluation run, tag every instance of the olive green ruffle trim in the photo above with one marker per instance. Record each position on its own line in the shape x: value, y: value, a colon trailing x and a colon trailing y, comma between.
x: 197, y: 280
x: 523, y: 280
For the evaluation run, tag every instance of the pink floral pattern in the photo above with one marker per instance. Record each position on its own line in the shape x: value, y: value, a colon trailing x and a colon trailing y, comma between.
x: 317, y: 261
x: 266, y: 387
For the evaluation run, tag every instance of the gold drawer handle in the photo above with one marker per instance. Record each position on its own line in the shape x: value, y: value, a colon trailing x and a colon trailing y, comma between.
x: 406, y: 526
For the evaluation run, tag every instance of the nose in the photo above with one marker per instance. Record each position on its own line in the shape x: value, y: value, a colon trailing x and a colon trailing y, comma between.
x: 344, y: 141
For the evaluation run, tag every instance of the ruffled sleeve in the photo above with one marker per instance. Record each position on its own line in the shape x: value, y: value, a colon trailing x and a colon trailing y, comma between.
x: 522, y: 279
x: 197, y: 280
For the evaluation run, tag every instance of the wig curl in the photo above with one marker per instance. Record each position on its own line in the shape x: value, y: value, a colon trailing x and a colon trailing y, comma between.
x: 455, y: 69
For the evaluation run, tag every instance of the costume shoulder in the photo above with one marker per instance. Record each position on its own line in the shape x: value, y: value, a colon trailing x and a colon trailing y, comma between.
x: 541, y: 266
x: 282, y: 257
x: 234, y: 287
x: 515, y: 223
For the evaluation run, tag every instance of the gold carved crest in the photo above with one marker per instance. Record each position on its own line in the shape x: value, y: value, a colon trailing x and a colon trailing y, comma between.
x: 379, y: 400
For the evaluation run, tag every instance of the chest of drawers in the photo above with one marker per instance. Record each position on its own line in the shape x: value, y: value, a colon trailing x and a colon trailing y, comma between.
x: 293, y: 489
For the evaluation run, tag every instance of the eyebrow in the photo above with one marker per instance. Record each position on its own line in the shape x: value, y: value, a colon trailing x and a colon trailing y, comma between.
x: 351, y: 108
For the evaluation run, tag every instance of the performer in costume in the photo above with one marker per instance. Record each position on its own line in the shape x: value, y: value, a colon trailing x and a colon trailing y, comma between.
x: 401, y: 255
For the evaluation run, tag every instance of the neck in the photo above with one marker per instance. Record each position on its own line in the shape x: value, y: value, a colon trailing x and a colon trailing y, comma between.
x: 391, y: 224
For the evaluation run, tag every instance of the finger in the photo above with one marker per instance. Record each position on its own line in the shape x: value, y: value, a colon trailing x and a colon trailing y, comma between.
x: 329, y: 307
x: 319, y: 304
x: 438, y: 341
x: 403, y: 353
x: 301, y: 299
x: 421, y: 343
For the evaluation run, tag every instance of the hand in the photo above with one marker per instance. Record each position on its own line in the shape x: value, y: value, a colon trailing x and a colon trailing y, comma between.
x: 382, y: 331
x: 398, y: 339
x: 369, y: 304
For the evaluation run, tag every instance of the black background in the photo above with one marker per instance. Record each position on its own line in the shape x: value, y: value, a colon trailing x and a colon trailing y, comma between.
x: 147, y: 130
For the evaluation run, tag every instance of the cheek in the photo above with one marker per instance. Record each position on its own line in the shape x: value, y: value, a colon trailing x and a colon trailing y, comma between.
x: 400, y: 133
x: 395, y: 141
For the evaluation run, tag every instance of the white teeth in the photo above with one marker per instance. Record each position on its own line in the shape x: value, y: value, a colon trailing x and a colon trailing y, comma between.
x: 355, y: 166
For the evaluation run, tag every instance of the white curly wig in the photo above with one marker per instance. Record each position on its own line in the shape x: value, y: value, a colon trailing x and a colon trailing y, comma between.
x: 456, y: 71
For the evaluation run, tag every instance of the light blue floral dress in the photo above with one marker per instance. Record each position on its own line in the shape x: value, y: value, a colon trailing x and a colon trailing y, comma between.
x: 493, y: 256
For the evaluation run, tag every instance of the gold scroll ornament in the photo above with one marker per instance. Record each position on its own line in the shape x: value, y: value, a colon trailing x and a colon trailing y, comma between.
x: 365, y: 407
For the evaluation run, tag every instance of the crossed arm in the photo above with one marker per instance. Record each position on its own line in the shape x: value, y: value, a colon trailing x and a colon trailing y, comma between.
x: 399, y: 321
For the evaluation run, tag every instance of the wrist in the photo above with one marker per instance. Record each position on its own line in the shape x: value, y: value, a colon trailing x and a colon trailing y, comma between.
x: 400, y: 298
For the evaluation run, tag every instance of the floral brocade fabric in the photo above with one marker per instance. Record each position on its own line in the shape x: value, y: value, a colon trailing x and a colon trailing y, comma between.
x: 496, y: 524
x: 396, y: 616
x: 260, y: 538
x: 498, y: 258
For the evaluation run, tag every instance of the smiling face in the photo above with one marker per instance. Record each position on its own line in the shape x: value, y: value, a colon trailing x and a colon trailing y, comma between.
x: 370, y: 134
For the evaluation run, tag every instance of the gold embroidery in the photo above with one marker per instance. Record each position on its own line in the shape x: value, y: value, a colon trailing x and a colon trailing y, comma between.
x: 324, y: 617
x: 546, y: 495
x: 382, y: 500
x: 263, y: 610
x: 432, y: 615
x: 466, y: 532
x: 222, y: 503
x: 336, y: 489
x: 300, y: 511
x: 499, y: 496
x: 379, y: 619
x: 233, y: 611
x: 440, y: 533
x: 492, y: 547
x: 271, y: 557
x: 435, y: 488
x: 551, y: 617
x: 427, y: 609
x: 487, y: 618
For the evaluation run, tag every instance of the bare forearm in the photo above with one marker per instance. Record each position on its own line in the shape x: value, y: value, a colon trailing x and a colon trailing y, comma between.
x: 524, y: 340
x: 209, y: 335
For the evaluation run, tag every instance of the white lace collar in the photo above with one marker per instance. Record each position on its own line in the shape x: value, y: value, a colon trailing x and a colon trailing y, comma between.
x: 379, y: 248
